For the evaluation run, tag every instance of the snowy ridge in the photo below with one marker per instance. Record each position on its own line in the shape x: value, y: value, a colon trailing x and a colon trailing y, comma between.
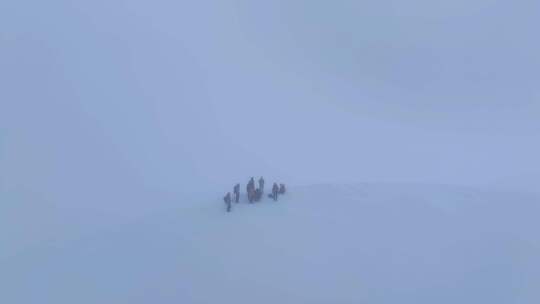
x: 368, y: 243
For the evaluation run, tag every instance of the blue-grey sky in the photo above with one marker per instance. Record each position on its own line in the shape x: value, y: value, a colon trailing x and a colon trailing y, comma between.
x: 111, y: 100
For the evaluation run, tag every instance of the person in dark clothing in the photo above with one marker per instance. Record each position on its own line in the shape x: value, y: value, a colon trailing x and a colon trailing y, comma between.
x: 282, y: 189
x: 248, y: 191
x: 251, y: 190
x: 261, y: 184
x: 236, y: 193
x: 275, y: 190
x: 227, y: 200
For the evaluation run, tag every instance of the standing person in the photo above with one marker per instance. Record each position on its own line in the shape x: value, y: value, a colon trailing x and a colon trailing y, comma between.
x: 275, y: 190
x: 236, y: 193
x: 251, y: 190
x: 282, y: 189
x: 261, y: 184
x: 248, y: 186
x: 227, y: 200
x: 248, y: 191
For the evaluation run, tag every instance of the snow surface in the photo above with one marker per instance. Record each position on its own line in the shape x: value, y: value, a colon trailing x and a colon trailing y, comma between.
x: 366, y: 243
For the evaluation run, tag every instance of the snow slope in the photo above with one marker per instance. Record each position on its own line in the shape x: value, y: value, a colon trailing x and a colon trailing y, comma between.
x: 367, y: 243
x: 526, y: 182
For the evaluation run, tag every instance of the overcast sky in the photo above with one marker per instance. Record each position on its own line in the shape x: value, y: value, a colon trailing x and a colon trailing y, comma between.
x: 106, y: 100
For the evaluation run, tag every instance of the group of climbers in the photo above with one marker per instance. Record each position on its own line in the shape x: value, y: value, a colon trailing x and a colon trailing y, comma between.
x: 253, y: 194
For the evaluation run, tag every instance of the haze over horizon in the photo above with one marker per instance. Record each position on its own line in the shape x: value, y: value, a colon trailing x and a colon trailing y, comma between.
x: 415, y: 125
x: 115, y: 97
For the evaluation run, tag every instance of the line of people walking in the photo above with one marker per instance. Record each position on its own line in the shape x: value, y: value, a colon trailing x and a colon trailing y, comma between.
x: 253, y: 194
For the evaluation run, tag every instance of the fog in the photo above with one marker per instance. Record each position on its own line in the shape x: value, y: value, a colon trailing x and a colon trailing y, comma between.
x: 122, y: 124
x: 108, y: 101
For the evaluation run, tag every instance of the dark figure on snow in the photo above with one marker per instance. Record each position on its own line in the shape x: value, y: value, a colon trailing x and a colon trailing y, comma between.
x: 282, y: 189
x: 275, y: 191
x: 261, y: 184
x: 236, y: 193
x: 251, y: 190
x: 227, y: 200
